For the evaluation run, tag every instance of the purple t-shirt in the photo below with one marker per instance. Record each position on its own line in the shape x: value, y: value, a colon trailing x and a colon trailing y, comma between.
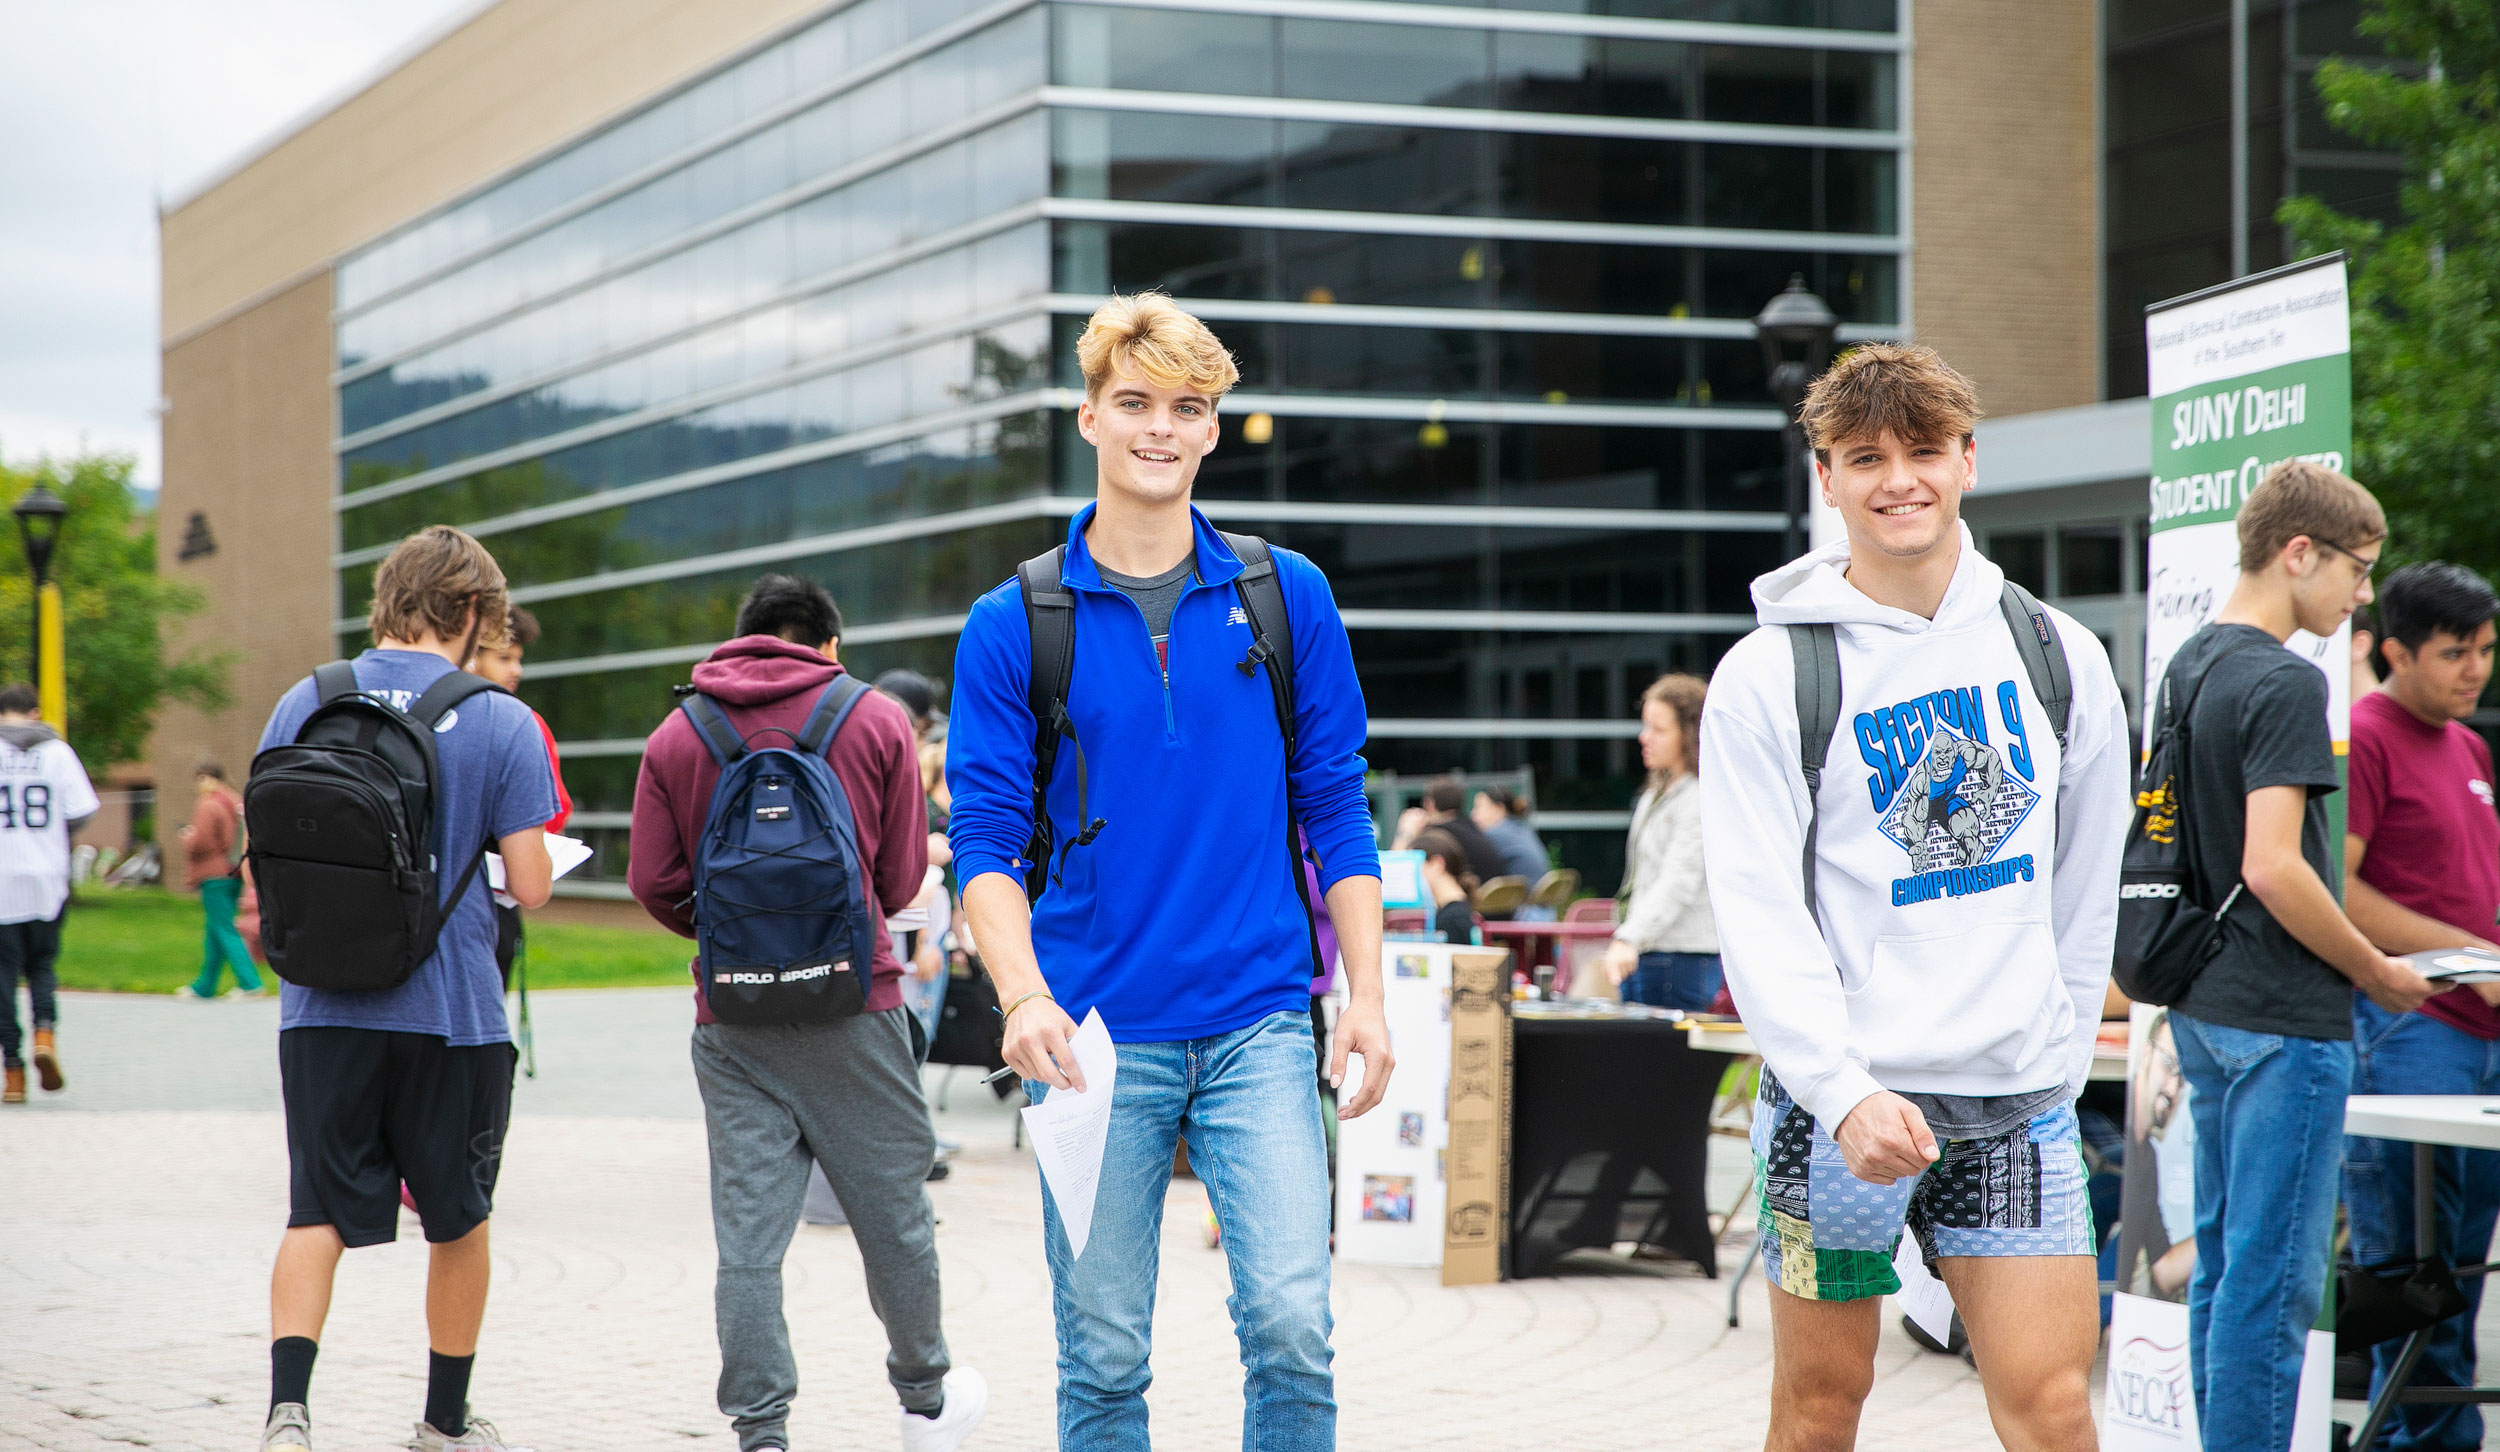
x: 495, y: 781
x: 2421, y: 796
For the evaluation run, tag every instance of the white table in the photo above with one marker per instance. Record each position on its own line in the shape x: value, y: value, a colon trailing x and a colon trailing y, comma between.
x: 2426, y: 1121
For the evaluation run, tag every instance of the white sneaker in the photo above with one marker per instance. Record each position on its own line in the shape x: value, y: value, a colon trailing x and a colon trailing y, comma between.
x: 289, y: 1426
x: 967, y: 1397
x: 481, y: 1437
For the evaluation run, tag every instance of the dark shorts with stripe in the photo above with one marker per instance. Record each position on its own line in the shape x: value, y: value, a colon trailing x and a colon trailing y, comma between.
x: 368, y: 1110
x: 1829, y: 1236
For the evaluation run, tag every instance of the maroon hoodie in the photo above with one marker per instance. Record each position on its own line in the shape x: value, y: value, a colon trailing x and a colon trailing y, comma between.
x: 763, y: 681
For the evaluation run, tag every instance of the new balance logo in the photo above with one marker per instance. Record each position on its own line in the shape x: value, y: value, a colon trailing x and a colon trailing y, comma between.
x: 2147, y: 889
x: 1236, y: 618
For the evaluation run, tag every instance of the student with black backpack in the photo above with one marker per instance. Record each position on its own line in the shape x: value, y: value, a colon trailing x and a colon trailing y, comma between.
x: 778, y: 822
x: 1141, y: 719
x: 380, y: 785
x: 1913, y: 795
x: 2263, y: 1013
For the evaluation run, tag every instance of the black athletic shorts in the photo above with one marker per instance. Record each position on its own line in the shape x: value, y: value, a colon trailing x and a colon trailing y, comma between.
x: 368, y: 1109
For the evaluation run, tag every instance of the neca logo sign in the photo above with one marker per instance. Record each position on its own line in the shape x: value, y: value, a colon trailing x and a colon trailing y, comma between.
x: 2147, y: 889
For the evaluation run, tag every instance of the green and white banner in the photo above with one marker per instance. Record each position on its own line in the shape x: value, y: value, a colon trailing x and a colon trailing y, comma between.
x: 2244, y: 376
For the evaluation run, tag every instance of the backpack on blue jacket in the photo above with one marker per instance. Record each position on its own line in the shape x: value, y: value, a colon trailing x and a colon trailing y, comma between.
x: 783, y: 930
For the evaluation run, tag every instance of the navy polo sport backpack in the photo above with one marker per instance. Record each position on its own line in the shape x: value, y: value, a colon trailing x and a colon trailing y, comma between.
x: 783, y: 933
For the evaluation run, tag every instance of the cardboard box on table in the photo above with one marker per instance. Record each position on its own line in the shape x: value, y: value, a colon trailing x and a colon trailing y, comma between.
x: 1400, y: 1197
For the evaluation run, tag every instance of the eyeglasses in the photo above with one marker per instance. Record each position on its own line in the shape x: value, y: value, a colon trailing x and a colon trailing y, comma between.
x: 2369, y: 567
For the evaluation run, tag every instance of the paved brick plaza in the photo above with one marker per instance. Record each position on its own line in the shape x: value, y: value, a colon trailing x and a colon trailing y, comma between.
x: 138, y: 1213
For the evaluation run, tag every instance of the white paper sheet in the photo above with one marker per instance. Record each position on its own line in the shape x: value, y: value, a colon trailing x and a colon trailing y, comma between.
x: 1069, y: 1131
x: 1923, y: 1297
x: 566, y: 853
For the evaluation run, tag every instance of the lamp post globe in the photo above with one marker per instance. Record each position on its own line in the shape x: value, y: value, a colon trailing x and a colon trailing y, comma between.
x: 39, y: 514
x: 1797, y: 331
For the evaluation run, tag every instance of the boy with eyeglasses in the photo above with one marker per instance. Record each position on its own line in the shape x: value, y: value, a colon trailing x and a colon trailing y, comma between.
x: 2264, y: 1033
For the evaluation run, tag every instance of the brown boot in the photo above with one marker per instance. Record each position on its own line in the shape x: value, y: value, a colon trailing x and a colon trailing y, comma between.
x: 15, y: 1092
x: 47, y: 1062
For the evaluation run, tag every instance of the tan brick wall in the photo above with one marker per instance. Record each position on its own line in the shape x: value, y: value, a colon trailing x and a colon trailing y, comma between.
x: 2005, y: 200
x: 507, y: 85
x: 247, y: 443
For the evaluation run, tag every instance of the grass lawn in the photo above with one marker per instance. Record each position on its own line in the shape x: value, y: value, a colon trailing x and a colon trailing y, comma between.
x: 144, y: 940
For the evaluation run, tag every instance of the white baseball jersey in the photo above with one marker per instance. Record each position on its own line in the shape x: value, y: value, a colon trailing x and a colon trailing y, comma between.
x: 42, y: 787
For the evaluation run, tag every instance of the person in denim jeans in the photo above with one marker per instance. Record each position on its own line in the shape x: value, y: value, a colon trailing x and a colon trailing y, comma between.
x: 2422, y: 871
x: 1172, y: 906
x: 2264, y: 1033
x: 1665, y: 951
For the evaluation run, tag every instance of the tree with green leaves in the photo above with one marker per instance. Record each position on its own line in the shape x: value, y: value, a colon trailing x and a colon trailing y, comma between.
x: 114, y: 608
x: 2425, y: 292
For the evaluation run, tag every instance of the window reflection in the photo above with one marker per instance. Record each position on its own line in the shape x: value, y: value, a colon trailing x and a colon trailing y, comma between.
x: 874, y: 394
x: 1434, y: 65
x: 1358, y: 267
x: 972, y: 73
x: 722, y: 275
x: 815, y: 57
x: 1151, y: 157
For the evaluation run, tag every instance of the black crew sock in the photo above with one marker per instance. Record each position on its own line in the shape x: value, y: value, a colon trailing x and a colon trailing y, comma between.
x: 932, y: 1413
x: 290, y: 1368
x: 447, y: 1392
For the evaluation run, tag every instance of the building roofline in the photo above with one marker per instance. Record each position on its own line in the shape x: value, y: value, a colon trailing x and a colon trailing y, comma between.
x: 313, y: 115
x: 2096, y: 443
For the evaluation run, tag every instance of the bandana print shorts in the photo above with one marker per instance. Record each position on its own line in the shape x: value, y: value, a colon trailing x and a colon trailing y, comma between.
x: 1829, y: 1236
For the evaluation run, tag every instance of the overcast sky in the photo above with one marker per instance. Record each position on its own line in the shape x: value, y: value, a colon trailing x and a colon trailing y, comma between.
x: 107, y: 106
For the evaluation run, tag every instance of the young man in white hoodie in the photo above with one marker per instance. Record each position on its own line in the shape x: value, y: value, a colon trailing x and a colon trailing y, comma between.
x: 1928, y: 928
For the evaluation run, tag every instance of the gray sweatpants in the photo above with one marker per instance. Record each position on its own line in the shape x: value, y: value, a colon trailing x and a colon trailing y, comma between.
x: 847, y: 1095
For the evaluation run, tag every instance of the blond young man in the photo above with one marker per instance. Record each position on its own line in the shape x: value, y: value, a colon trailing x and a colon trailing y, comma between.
x: 1171, y: 903
x: 2265, y: 1032
x: 1925, y: 985
x: 413, y: 1084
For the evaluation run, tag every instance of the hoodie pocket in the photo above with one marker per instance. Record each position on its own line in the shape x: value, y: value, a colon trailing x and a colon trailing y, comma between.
x: 1985, y: 999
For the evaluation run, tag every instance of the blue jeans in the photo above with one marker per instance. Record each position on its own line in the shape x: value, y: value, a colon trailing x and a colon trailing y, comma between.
x: 926, y: 1001
x: 2416, y: 1054
x: 2269, y: 1139
x: 1687, y: 981
x: 1248, y: 1104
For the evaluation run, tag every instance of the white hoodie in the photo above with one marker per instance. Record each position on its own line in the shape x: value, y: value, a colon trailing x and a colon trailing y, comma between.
x: 1973, y: 967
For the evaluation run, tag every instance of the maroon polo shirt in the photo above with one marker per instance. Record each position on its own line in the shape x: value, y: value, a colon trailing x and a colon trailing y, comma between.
x: 2421, y: 796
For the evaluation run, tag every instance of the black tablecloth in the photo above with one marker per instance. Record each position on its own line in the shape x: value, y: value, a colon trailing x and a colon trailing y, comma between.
x: 1594, y: 1104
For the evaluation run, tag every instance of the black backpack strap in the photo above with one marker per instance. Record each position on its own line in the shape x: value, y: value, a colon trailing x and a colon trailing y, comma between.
x: 1817, y: 651
x: 712, y: 727
x: 1271, y: 632
x: 1271, y: 644
x: 833, y: 707
x: 1050, y: 619
x: 332, y: 681
x: 447, y: 692
x: 2044, y: 656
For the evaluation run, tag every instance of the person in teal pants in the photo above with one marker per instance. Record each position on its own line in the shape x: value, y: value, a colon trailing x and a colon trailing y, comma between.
x: 208, y: 853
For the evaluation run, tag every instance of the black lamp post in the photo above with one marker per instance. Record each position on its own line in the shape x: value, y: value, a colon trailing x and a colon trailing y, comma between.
x: 1796, y: 330
x: 39, y: 514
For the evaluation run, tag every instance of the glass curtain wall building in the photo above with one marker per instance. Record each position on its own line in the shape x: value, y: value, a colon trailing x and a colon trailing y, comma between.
x: 1487, y: 271
x: 2192, y: 85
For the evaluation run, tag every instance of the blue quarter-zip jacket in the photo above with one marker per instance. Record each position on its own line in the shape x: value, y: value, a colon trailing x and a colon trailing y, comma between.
x: 1180, y: 920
